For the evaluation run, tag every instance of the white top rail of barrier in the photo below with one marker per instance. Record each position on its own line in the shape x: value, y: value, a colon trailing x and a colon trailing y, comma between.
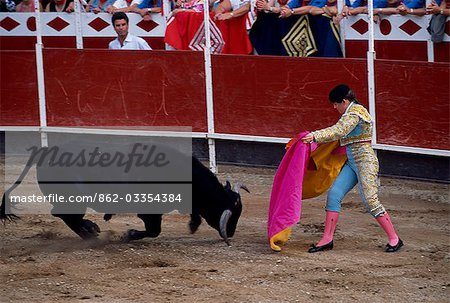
x: 394, y: 27
x: 92, y: 25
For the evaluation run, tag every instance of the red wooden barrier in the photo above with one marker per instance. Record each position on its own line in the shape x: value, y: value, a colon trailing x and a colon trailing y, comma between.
x: 253, y: 95
x: 125, y: 88
x: 392, y: 50
x: 279, y: 97
x: 19, y: 104
x: 413, y: 105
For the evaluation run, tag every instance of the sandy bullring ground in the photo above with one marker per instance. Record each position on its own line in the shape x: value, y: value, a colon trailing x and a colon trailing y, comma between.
x: 41, y: 260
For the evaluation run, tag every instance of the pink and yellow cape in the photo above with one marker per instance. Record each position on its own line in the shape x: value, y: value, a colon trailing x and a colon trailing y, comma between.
x: 306, y: 171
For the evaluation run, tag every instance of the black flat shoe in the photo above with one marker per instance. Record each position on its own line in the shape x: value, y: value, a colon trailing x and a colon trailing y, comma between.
x: 390, y: 248
x: 314, y: 248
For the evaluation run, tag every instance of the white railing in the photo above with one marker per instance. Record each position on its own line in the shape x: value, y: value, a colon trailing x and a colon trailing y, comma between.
x: 92, y: 25
x: 98, y: 25
x: 394, y: 27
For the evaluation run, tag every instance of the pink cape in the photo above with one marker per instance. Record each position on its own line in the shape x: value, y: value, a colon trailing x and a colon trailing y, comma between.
x: 286, y: 198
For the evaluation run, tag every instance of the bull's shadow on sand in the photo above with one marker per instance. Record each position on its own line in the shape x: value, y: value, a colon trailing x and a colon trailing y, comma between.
x: 49, y: 242
x: 54, y: 238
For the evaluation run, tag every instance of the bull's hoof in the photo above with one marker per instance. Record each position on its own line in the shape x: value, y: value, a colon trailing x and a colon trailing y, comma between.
x: 89, y: 230
x: 193, y: 226
x: 107, y: 217
x: 133, y: 234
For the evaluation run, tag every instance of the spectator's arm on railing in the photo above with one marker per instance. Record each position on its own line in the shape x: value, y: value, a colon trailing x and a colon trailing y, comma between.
x: 145, y: 8
x: 316, y: 10
x: 223, y: 7
x: 122, y: 9
x: 417, y: 11
x: 412, y: 7
x: 262, y: 5
x: 111, y: 9
x: 233, y: 14
x: 435, y: 9
x: 330, y: 10
x: 357, y: 10
x: 339, y: 16
x: 96, y: 7
x: 286, y: 11
x: 405, y: 10
x: 179, y: 10
x: 386, y: 11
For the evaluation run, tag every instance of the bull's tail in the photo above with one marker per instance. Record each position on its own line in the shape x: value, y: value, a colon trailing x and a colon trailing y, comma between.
x: 5, y: 208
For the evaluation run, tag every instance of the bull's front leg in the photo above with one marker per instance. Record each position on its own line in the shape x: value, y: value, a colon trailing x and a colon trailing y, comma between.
x: 86, y: 229
x: 195, y: 222
x: 152, y: 227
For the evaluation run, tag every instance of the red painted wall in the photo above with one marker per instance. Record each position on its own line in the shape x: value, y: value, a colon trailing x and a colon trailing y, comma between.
x: 392, y: 50
x: 442, y: 52
x: 17, y: 43
x: 254, y: 95
x: 279, y: 98
x: 19, y: 104
x: 29, y: 42
x: 413, y: 103
x: 125, y: 88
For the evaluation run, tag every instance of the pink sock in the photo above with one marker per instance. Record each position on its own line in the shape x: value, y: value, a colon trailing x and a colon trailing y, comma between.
x: 386, y: 223
x: 331, y: 220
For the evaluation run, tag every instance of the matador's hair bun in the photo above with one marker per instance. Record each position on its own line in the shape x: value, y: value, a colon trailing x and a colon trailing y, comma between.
x: 341, y: 92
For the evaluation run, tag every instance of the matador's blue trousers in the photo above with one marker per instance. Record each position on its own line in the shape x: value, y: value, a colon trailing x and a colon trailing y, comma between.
x: 362, y: 168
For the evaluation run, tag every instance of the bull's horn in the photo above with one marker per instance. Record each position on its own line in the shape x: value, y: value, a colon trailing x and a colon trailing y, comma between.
x: 238, y: 186
x: 223, y: 225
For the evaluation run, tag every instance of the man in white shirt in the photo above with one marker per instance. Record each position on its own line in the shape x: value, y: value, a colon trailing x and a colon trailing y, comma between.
x: 124, y: 39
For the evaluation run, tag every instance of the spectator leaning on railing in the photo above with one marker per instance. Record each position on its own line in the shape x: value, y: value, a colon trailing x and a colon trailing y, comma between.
x: 328, y: 8
x: 439, y: 7
x: 268, y: 7
x: 405, y: 7
x: 389, y: 9
x: 146, y: 8
x: 355, y: 7
x: 382, y: 7
x: 296, y: 7
x: 227, y: 9
x: 123, y: 6
x: 440, y: 12
x: 98, y: 6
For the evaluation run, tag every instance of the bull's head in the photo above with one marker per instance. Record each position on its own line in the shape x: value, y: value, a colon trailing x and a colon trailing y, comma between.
x: 230, y: 216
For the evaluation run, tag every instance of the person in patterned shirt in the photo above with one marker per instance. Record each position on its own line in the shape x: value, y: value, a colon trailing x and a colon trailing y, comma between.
x: 354, y: 130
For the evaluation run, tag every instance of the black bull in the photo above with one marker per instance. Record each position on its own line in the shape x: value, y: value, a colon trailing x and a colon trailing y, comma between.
x: 220, y: 205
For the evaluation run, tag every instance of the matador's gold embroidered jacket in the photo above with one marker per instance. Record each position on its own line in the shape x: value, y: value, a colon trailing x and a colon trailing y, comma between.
x: 354, y: 130
x: 355, y: 125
